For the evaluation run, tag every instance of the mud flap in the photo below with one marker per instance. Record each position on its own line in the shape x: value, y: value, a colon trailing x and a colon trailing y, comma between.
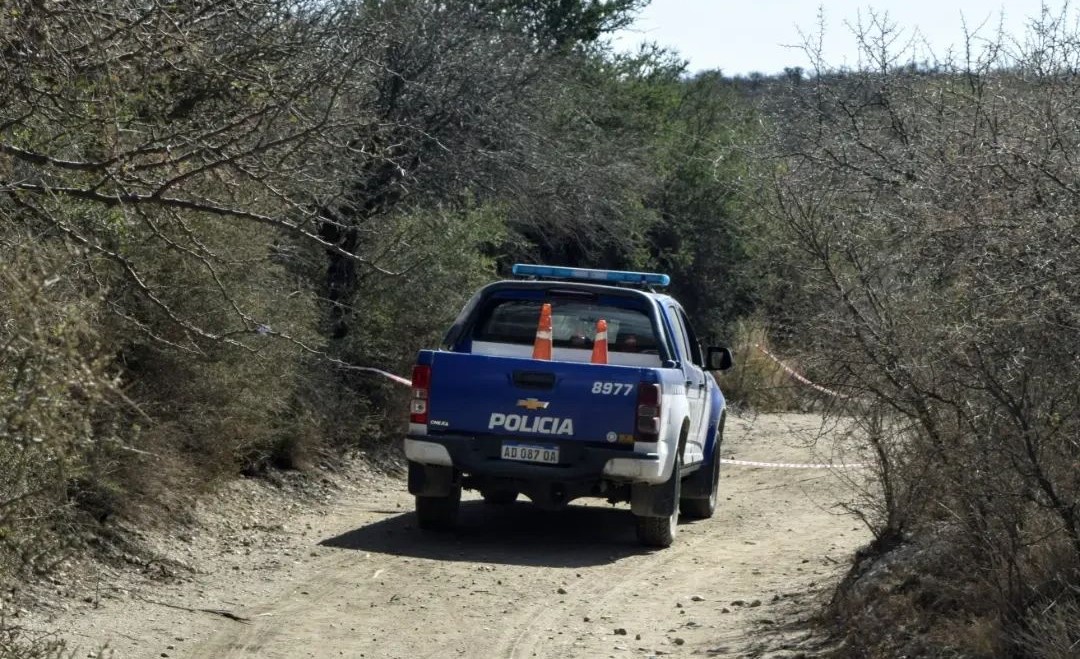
x: 430, y: 480
x: 656, y: 500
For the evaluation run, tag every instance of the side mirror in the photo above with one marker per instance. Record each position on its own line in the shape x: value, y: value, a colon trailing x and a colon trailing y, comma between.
x: 719, y: 359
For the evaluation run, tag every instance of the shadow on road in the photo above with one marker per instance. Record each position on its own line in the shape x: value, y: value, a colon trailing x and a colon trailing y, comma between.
x: 518, y: 534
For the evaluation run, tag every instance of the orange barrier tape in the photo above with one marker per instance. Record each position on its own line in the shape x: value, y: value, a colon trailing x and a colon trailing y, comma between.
x: 793, y: 465
x: 396, y: 378
x: 798, y: 377
x: 741, y: 463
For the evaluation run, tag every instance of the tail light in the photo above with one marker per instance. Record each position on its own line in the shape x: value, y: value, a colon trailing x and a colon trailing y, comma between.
x: 648, y: 412
x: 421, y: 386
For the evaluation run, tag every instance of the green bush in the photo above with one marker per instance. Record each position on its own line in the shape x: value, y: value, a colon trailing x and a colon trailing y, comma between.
x: 58, y: 416
x: 436, y: 260
x: 220, y: 405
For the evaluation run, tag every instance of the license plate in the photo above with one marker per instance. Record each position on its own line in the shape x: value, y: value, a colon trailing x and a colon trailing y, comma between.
x: 530, y: 453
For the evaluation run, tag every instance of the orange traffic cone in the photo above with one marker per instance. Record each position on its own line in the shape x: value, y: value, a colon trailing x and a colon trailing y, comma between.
x: 542, y: 345
x: 599, y: 348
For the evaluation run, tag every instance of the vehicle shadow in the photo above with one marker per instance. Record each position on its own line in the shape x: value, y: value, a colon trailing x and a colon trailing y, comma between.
x: 517, y: 534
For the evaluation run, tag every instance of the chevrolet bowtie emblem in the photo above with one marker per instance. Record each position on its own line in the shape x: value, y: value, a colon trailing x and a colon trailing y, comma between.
x: 533, y: 404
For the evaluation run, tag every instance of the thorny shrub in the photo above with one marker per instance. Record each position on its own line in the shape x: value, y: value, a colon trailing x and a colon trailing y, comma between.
x: 931, y: 214
x: 57, y: 421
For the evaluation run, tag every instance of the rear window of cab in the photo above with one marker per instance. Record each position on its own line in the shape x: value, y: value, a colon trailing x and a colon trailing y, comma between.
x: 573, y: 324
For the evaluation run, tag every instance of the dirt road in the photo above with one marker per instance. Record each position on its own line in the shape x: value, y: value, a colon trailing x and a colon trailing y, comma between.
x: 355, y: 578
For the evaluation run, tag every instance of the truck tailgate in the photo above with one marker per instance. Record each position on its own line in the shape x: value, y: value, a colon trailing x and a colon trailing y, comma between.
x: 512, y: 397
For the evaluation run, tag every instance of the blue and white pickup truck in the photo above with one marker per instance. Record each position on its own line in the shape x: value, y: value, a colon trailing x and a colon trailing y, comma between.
x: 643, y: 428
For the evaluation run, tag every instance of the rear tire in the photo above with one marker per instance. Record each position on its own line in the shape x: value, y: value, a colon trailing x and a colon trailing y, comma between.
x: 499, y: 497
x: 661, y: 531
x: 657, y: 531
x: 438, y: 513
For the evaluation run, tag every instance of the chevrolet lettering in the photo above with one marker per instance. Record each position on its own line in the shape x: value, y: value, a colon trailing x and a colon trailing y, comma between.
x: 563, y: 384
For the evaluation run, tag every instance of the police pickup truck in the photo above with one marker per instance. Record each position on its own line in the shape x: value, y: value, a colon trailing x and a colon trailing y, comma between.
x: 528, y: 396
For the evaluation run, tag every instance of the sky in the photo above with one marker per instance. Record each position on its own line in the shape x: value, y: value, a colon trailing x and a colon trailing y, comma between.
x: 743, y: 36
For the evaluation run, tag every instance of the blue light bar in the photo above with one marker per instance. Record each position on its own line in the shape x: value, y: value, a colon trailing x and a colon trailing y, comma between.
x: 585, y: 274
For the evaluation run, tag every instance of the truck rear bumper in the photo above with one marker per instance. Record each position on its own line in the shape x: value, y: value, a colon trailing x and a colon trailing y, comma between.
x: 428, y: 453
x: 580, y: 462
x: 637, y: 471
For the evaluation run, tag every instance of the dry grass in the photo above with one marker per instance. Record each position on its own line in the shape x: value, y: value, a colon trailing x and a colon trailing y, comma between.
x: 756, y: 381
x: 17, y: 643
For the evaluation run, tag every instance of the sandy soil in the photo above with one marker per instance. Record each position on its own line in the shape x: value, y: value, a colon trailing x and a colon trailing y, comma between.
x: 350, y: 576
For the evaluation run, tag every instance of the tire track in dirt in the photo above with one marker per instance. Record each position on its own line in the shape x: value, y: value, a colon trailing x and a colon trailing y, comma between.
x: 518, y: 582
x: 685, y: 594
x: 750, y: 552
